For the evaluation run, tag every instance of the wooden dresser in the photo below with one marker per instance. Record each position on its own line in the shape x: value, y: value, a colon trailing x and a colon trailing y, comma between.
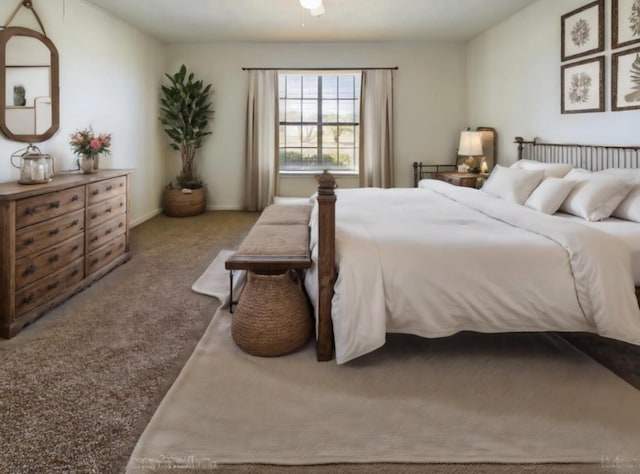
x: 58, y: 238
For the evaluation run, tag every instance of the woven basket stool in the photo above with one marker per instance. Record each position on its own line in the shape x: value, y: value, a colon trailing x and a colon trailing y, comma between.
x: 272, y: 317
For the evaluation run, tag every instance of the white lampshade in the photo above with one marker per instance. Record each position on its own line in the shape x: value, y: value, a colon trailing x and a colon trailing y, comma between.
x: 311, y: 4
x: 470, y: 144
x: 317, y: 11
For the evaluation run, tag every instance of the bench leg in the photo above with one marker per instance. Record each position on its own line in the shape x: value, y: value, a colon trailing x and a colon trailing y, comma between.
x: 231, y: 301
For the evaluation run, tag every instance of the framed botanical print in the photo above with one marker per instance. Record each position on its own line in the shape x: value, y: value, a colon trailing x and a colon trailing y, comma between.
x: 583, y: 31
x: 582, y: 86
x: 625, y: 80
x: 625, y: 23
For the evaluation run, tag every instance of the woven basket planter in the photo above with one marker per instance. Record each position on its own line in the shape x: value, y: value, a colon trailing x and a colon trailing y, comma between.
x: 180, y: 204
x: 272, y: 317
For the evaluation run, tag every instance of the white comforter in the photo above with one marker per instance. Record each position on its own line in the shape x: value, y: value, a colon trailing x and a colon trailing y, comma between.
x: 440, y: 259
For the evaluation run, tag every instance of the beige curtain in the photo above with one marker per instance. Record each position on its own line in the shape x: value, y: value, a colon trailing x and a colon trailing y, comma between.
x: 261, y: 179
x: 376, y: 129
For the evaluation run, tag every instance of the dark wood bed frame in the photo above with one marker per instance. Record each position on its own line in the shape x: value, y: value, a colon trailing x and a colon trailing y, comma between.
x: 593, y: 157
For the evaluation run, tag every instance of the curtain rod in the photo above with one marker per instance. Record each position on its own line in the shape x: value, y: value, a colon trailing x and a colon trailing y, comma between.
x: 315, y: 68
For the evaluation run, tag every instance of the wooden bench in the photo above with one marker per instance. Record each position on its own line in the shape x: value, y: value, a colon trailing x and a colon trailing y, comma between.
x: 279, y: 241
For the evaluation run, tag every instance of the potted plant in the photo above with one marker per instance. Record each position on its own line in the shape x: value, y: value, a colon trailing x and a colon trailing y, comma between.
x: 185, y: 112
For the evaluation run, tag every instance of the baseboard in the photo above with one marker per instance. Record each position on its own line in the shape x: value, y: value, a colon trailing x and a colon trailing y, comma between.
x: 224, y: 208
x: 146, y: 217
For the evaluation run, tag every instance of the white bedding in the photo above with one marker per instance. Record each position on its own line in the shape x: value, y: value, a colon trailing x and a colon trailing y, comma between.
x: 627, y: 231
x: 436, y: 261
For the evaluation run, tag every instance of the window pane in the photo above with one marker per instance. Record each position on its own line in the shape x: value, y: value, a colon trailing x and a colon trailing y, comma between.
x: 346, y: 137
x: 281, y: 86
x: 310, y: 87
x: 329, y: 136
x: 347, y: 159
x: 293, y: 111
x: 330, y: 157
x: 310, y: 135
x: 294, y: 86
x: 309, y: 110
x: 290, y: 159
x: 282, y: 111
x: 329, y: 110
x: 282, y: 138
x: 330, y: 87
x: 345, y: 111
x: 356, y: 111
x: 310, y: 158
x: 346, y: 87
x: 292, y: 135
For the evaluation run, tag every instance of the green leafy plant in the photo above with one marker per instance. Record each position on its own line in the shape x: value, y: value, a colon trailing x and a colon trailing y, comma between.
x: 185, y: 112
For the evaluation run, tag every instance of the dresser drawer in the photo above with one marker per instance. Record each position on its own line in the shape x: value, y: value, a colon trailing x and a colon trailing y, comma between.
x: 34, y: 267
x: 41, y: 208
x: 47, y: 288
x: 107, y: 189
x: 103, y: 211
x: 40, y: 236
x: 106, y: 254
x: 100, y: 235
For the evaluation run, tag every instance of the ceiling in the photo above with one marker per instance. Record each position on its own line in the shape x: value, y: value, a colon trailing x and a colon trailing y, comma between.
x: 180, y: 21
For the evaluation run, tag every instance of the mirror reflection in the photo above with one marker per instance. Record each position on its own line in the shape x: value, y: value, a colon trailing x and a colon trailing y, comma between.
x: 30, y: 85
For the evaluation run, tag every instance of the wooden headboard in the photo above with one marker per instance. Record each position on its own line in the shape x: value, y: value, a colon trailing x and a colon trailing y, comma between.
x: 591, y: 157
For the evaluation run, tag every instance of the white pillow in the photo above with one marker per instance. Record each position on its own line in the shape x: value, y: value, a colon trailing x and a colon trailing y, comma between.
x: 512, y: 184
x: 551, y: 170
x: 595, y: 195
x: 629, y: 208
x: 549, y: 195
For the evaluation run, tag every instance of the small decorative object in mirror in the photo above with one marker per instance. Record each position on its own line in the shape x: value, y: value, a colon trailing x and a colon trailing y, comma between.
x: 35, y: 167
x: 89, y: 146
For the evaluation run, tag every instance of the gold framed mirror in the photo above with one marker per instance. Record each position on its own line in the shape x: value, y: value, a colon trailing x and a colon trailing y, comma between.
x: 29, y: 85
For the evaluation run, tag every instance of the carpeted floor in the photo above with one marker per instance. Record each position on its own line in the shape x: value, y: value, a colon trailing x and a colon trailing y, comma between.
x: 78, y: 387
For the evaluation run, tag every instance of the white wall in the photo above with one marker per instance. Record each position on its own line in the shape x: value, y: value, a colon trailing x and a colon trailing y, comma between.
x: 430, y: 103
x: 514, y: 84
x: 110, y: 77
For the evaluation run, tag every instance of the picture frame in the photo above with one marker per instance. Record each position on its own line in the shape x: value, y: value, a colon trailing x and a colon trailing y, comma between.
x: 582, y: 86
x: 582, y: 31
x: 625, y: 80
x: 625, y: 23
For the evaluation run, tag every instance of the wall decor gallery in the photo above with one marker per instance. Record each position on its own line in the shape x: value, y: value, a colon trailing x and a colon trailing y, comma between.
x: 582, y: 36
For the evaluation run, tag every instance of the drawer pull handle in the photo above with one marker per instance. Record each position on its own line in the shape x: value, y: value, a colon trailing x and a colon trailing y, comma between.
x: 74, y: 223
x: 31, y: 211
x: 109, y: 188
x: 95, y: 193
x: 108, y: 254
x: 121, y: 225
x: 121, y: 204
x: 121, y: 245
x: 55, y: 205
x: 31, y: 270
x: 95, y: 238
x: 94, y: 261
x: 108, y: 231
x: 54, y: 231
x: 108, y: 209
x: 75, y: 272
x: 94, y: 215
x: 53, y: 286
x: 27, y: 299
x: 74, y: 198
x: 29, y: 241
x: 121, y: 185
x: 53, y: 258
x: 74, y: 248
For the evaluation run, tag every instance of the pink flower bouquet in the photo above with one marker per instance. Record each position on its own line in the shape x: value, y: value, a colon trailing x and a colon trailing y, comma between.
x: 85, y: 142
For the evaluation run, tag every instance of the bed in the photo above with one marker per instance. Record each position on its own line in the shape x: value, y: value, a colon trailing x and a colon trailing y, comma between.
x: 438, y: 259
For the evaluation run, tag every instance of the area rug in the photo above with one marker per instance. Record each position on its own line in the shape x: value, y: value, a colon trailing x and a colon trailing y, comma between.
x: 215, y: 279
x: 470, y: 398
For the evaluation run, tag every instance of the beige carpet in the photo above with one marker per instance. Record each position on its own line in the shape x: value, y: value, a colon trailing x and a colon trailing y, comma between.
x: 516, y: 398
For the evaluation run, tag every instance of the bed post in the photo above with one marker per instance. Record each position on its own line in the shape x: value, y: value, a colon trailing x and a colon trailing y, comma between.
x: 326, y: 263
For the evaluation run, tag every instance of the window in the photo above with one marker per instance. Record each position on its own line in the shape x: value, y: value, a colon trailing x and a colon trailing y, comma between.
x: 319, y: 121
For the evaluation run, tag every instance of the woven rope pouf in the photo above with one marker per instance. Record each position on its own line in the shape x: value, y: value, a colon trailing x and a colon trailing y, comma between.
x: 272, y: 317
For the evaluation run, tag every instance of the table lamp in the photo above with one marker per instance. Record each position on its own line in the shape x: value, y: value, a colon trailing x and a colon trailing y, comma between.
x: 470, y: 146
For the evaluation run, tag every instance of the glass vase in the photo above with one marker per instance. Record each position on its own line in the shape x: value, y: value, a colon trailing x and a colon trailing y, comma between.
x: 88, y: 164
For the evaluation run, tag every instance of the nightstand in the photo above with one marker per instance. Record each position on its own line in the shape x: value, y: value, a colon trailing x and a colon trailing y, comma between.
x: 467, y: 180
